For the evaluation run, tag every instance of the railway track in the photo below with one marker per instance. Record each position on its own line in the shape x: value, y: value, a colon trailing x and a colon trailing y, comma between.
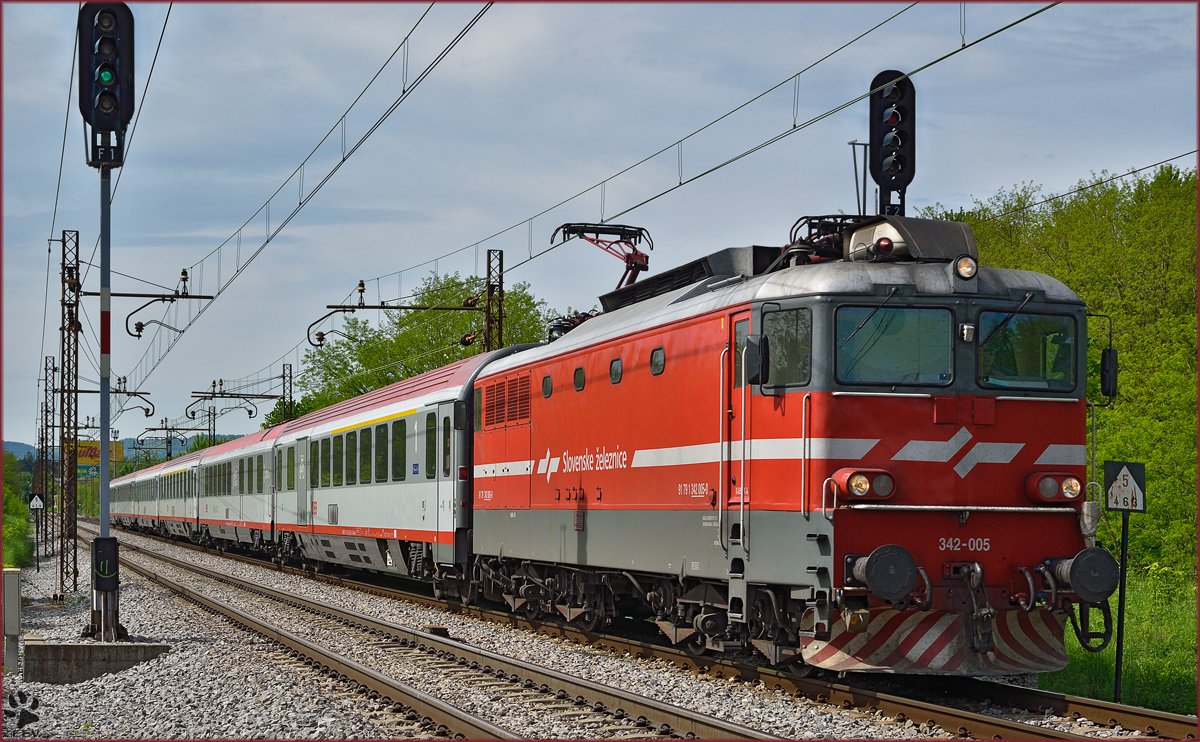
x: 622, y: 714
x: 930, y: 708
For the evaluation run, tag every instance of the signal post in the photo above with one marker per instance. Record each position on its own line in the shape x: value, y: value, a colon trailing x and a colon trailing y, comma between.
x: 106, y: 98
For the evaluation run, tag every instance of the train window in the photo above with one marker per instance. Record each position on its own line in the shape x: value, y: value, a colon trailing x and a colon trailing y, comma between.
x: 325, y: 463
x: 381, y: 451
x: 364, y: 456
x: 446, y: 428
x: 658, y: 361
x: 228, y: 478
x: 1028, y: 351
x: 278, y: 470
x: 314, y: 464
x: 241, y: 476
x: 790, y: 336
x: 478, y: 408
x: 580, y: 377
x: 400, y: 443
x: 258, y: 477
x: 893, y: 345
x: 741, y: 329
x: 339, y: 458
x: 547, y: 386
x: 430, y: 445
x: 614, y: 371
x: 351, y: 453
x: 291, y: 467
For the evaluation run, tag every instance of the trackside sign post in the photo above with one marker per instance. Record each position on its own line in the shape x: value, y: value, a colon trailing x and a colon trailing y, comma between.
x: 1124, y: 492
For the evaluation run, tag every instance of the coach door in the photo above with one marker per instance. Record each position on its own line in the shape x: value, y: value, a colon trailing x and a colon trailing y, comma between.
x: 444, y: 551
x: 303, y: 495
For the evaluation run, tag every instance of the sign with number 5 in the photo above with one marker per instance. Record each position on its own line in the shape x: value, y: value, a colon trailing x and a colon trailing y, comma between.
x: 1125, y: 486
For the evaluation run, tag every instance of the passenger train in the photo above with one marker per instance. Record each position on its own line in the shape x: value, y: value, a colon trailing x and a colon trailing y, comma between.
x: 862, y: 451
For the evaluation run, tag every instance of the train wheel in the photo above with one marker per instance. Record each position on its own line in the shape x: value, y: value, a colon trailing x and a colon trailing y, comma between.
x: 802, y: 669
x: 531, y: 609
x: 591, y: 621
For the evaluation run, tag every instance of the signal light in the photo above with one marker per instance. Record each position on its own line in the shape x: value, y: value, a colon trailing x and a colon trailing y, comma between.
x: 106, y: 94
x: 892, y: 144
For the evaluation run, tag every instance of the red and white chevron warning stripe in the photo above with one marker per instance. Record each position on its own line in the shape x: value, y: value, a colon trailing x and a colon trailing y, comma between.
x: 937, y: 642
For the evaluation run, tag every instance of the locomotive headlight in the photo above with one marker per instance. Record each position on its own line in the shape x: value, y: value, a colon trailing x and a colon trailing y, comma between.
x: 1047, y: 487
x: 1070, y: 488
x: 965, y: 266
x: 883, y: 485
x: 859, y: 485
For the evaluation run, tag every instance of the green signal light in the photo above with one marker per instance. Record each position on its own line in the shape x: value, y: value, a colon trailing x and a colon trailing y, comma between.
x: 107, y: 77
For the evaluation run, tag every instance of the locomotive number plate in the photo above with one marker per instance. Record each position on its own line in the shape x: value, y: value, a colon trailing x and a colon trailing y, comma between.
x: 693, y: 489
x: 964, y: 544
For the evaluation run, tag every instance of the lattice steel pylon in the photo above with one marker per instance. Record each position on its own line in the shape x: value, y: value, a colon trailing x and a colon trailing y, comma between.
x: 493, y: 328
x: 43, y: 473
x: 68, y: 534
x: 289, y: 404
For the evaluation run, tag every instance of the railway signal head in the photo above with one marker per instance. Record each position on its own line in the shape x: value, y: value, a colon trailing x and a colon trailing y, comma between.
x: 892, y: 153
x: 106, y: 65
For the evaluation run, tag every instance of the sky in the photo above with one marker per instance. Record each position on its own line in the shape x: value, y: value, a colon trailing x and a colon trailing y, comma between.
x: 535, y: 104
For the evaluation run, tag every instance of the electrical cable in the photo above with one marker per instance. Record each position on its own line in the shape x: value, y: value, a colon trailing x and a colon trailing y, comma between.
x: 1081, y: 189
x: 132, y: 130
x: 796, y: 128
x: 306, y: 199
x: 667, y: 148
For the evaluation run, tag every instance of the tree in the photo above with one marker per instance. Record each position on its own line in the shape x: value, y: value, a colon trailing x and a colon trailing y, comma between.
x: 409, y: 342
x: 1128, y: 249
x: 17, y: 551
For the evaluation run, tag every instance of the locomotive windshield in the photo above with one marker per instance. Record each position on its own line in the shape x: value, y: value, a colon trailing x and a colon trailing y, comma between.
x: 895, y: 345
x: 1030, y: 351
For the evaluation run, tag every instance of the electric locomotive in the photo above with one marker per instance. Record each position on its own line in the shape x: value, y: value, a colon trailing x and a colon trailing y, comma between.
x: 860, y: 452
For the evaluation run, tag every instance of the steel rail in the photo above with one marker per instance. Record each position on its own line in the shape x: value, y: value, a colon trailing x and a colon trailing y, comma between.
x: 1149, y: 721
x: 1160, y: 723
x: 438, y: 711
x: 666, y: 717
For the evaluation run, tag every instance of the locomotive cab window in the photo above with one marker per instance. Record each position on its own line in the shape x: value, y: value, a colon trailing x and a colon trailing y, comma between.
x: 790, y: 336
x: 614, y: 371
x: 580, y: 377
x: 1028, y: 351
x: 479, y: 408
x: 658, y: 361
x: 887, y: 345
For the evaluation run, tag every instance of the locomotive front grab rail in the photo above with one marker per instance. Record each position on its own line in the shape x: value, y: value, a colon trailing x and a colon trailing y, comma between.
x: 828, y: 513
x: 745, y: 487
x: 721, y: 458
x: 805, y: 450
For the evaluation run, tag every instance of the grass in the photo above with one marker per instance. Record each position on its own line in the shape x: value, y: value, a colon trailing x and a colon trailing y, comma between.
x: 1159, y: 667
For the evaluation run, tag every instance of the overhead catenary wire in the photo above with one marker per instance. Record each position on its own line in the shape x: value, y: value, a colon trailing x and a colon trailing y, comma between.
x: 1080, y: 189
x: 795, y: 127
x: 676, y: 143
x: 411, y: 87
x: 132, y: 131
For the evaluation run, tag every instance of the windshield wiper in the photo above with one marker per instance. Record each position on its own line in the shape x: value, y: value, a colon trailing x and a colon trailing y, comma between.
x: 1004, y: 322
x: 891, y: 293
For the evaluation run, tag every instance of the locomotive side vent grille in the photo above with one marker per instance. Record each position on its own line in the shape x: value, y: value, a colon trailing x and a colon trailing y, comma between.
x: 507, y: 401
x: 493, y: 406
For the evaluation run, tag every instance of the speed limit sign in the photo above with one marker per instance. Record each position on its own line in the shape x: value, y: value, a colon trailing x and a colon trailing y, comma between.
x: 1125, y: 486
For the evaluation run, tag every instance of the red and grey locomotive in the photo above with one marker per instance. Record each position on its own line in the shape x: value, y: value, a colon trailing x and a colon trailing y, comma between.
x: 862, y: 451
